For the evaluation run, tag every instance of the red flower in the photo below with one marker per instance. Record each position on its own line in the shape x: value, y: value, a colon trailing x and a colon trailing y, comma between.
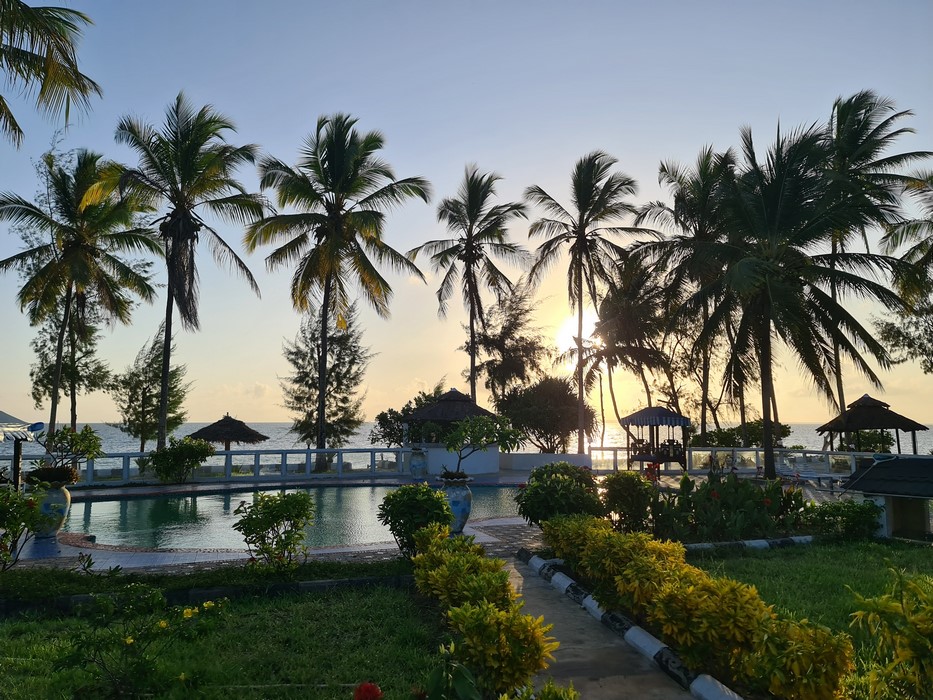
x: 367, y: 691
x: 714, y: 494
x: 522, y: 486
x: 767, y: 502
x: 31, y: 504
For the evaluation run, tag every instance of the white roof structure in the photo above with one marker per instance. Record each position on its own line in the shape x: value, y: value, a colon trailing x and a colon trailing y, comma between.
x: 12, y: 428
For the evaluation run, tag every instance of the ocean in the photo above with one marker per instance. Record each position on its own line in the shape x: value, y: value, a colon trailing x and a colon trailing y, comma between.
x: 280, y: 438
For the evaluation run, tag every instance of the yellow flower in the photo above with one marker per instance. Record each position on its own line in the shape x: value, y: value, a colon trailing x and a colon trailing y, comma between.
x: 163, y: 624
x: 128, y: 641
x: 188, y: 613
x: 182, y: 677
x: 208, y: 605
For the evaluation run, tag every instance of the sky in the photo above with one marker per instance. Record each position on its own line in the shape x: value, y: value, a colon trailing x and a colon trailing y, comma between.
x: 524, y: 88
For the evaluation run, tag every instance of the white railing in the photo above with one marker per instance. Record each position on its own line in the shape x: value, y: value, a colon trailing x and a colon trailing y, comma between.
x: 800, y: 464
x: 121, y: 468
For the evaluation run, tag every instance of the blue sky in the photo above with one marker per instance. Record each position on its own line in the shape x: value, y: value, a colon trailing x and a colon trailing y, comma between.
x: 523, y: 88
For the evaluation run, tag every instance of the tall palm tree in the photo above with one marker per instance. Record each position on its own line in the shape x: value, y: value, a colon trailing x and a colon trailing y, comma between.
x: 89, y: 226
x: 340, y: 189
x: 779, y: 217
x: 598, y: 197
x: 919, y: 230
x: 37, y: 49
x: 861, y: 131
x: 188, y: 166
x: 697, y: 217
x: 480, y: 230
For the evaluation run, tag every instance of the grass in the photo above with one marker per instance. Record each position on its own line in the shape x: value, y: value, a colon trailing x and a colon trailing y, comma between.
x: 297, y: 646
x: 818, y: 581
x: 37, y: 584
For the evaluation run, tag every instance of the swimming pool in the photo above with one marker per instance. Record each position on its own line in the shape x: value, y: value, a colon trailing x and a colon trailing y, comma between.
x: 344, y: 515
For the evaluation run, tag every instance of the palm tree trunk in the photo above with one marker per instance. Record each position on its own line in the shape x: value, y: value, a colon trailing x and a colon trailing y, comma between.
x: 73, y: 376
x: 59, y: 356
x: 472, y: 352
x: 767, y: 395
x: 742, y: 417
x: 161, y: 434
x: 602, y: 412
x: 321, y: 440
x: 837, y: 355
x: 581, y: 414
x: 704, y: 380
x: 644, y: 383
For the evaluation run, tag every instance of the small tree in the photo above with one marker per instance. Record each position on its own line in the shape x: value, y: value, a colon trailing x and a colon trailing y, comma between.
x: 546, y: 412
x: 478, y: 434
x: 347, y: 360
x: 136, y: 393
x: 390, y: 424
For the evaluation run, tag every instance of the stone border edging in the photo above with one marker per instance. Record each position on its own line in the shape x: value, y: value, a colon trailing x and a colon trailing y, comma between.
x: 701, y: 686
x: 68, y: 603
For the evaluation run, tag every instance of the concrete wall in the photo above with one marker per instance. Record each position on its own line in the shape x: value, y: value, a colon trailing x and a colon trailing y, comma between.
x: 477, y: 463
x: 526, y: 461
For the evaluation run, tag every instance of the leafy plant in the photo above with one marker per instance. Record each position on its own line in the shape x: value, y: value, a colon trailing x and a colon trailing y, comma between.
x: 558, y: 489
x: 127, y: 633
x: 900, y: 627
x: 627, y: 497
x: 549, y: 691
x: 20, y: 517
x: 478, y: 434
x: 274, y: 525
x: 450, y: 680
x: 178, y: 461
x: 65, y: 450
x: 409, y: 508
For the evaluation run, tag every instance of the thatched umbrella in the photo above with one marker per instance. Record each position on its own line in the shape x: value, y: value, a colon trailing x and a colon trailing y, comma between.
x: 868, y: 413
x: 228, y: 430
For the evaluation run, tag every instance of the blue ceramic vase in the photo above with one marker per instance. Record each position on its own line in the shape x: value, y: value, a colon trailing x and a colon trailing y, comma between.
x: 460, y: 499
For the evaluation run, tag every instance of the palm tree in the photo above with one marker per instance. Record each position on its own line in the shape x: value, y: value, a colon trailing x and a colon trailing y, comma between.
x: 697, y: 216
x: 190, y: 167
x: 80, y: 265
x: 37, y: 49
x: 861, y: 131
x: 340, y: 189
x: 480, y: 229
x: 919, y: 230
x: 598, y: 198
x: 779, y: 214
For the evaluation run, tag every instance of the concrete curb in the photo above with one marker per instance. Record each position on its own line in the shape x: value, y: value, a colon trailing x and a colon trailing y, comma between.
x: 751, y: 544
x: 701, y: 686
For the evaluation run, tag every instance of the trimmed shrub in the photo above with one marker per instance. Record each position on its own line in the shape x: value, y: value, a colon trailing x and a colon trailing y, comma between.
x: 844, y: 520
x: 504, y: 647
x: 465, y: 577
x: 559, y: 488
x: 627, y: 497
x: 409, y: 508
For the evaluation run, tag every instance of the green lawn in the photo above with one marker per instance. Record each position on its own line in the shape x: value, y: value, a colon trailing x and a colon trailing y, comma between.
x: 299, y: 646
x: 814, y: 581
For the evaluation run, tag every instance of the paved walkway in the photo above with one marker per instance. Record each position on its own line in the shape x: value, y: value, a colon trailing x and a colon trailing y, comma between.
x: 600, y: 664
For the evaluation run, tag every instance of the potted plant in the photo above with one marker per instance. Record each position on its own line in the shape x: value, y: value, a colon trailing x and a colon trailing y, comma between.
x: 66, y: 450
x: 474, y: 434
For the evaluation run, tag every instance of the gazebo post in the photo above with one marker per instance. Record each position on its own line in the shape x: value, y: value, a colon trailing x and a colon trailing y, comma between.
x: 897, y: 437
x: 913, y: 439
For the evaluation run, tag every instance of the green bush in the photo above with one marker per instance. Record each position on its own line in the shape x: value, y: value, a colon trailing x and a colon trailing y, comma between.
x: 844, y: 519
x: 176, y: 463
x: 627, y: 497
x: 20, y: 516
x: 409, y: 508
x: 274, y: 525
x: 558, y: 489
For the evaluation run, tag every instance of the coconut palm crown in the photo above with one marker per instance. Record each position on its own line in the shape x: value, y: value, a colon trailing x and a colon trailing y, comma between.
x: 37, y: 49
x: 339, y: 192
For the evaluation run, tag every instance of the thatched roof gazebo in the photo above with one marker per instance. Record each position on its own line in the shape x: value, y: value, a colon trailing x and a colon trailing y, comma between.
x: 868, y: 413
x: 228, y: 430
x: 450, y: 407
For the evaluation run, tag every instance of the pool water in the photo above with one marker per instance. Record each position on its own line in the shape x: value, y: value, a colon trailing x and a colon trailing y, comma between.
x: 344, y: 515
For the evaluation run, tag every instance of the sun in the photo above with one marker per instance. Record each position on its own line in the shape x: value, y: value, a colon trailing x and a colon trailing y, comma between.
x: 564, y: 338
